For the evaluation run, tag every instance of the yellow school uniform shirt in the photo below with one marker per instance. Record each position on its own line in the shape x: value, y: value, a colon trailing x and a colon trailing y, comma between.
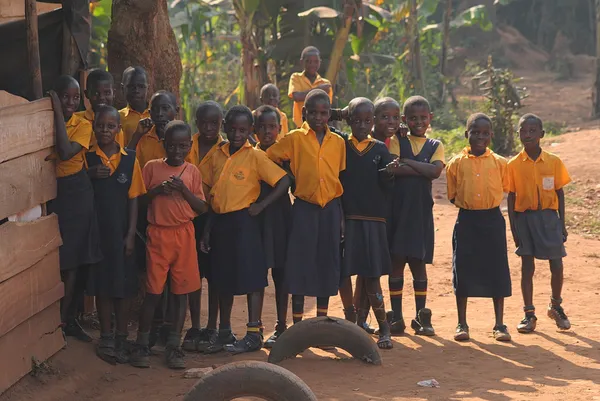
x: 202, y: 163
x: 284, y: 124
x: 235, y: 179
x: 393, y: 146
x: 477, y: 182
x: 299, y: 82
x: 535, y: 182
x: 362, y: 145
x: 89, y: 116
x: 79, y: 130
x: 137, y: 187
x: 417, y: 143
x: 129, y: 121
x: 316, y: 167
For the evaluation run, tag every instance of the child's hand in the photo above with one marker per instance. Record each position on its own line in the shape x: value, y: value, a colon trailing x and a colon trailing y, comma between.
x: 176, y: 184
x: 255, y: 209
x: 55, y: 100
x: 205, y: 243
x: 565, y: 233
x: 99, y: 171
x: 163, y: 189
x: 129, y: 244
x: 324, y: 87
x: 402, y: 130
x: 144, y: 126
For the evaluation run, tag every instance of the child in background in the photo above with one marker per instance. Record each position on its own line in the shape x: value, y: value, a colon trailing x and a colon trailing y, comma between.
x: 536, y: 207
x: 301, y: 83
x: 477, y: 181
x: 269, y: 96
x: 117, y: 180
x: 134, y: 85
x: 99, y: 91
x: 412, y: 235
x: 233, y: 233
x: 74, y: 203
x: 176, y: 197
x: 316, y: 156
x: 366, y: 191
x: 205, y: 143
x: 275, y: 220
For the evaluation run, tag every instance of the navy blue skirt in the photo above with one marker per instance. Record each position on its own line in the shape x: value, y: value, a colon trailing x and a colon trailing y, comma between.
x: 313, y: 263
x: 480, y: 258
x: 366, y: 251
x: 237, y: 257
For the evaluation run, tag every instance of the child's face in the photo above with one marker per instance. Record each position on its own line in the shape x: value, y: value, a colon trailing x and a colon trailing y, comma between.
x: 312, y: 63
x: 177, y: 146
x: 361, y: 121
x: 267, y: 129
x: 135, y: 89
x: 418, y: 118
x: 162, y: 111
x: 530, y: 134
x: 69, y: 100
x: 270, y: 98
x: 317, y: 114
x: 387, y: 120
x: 100, y: 93
x: 209, y: 124
x: 106, y: 127
x: 479, y: 135
x: 238, y: 130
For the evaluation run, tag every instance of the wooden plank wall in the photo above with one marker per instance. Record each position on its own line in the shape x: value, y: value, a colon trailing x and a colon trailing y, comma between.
x: 30, y: 284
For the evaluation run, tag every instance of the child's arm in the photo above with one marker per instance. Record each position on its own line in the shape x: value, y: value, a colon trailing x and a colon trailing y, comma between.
x: 512, y: 217
x: 451, y: 180
x: 429, y: 170
x: 205, y: 239
x: 64, y: 147
x: 144, y: 126
x: 130, y: 236
x: 561, y: 212
x: 281, y: 151
x: 198, y: 205
x: 163, y: 189
x: 280, y: 189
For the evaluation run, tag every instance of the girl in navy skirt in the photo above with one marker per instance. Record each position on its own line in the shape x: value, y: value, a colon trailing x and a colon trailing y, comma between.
x: 275, y: 221
x: 316, y: 156
x: 367, y: 187
x: 74, y: 203
x: 477, y: 181
x: 117, y: 180
x: 233, y: 231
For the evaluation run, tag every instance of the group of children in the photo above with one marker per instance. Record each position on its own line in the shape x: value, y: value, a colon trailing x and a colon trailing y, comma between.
x: 205, y: 206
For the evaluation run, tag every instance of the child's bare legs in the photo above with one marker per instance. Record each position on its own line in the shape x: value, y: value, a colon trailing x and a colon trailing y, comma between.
x: 281, y: 304
x: 225, y: 335
x: 213, y: 306
x: 140, y: 358
x: 69, y: 278
x: 361, y: 301
x: 500, y: 331
x: 555, y: 310
x: 252, y: 341
x: 68, y: 305
x: 192, y: 336
x: 528, y: 324
x: 396, y: 284
x: 347, y: 300
x: 421, y: 324
x: 112, y: 348
x: 462, y: 329
x: 372, y: 292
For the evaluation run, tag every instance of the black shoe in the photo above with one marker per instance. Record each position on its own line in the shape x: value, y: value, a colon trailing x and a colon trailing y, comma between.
x: 422, y: 324
x: 223, y: 338
x: 122, y: 349
x: 106, y: 350
x: 73, y: 329
x: 527, y: 325
x: 397, y: 326
x: 140, y: 357
x: 250, y: 343
x: 361, y: 321
x: 175, y: 358
x: 192, y: 337
x: 279, y: 329
x: 557, y: 313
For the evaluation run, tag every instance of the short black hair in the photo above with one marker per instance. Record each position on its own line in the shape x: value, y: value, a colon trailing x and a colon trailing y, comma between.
x: 63, y: 82
x: 531, y: 116
x: 207, y: 105
x: 268, y: 88
x: 104, y: 108
x: 316, y: 95
x: 168, y: 94
x: 357, y: 102
x: 177, y: 125
x: 415, y: 101
x: 131, y: 71
x: 98, y: 75
x: 473, y: 118
x: 238, y: 110
x: 265, y: 109
x: 384, y: 101
x: 309, y: 51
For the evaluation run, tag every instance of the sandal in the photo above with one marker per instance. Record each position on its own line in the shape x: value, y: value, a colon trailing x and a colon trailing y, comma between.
x: 385, y: 341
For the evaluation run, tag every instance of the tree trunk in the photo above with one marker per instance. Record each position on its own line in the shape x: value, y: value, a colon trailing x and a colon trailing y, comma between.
x: 250, y: 80
x: 341, y: 38
x: 140, y: 34
x: 445, y: 48
x: 596, y: 90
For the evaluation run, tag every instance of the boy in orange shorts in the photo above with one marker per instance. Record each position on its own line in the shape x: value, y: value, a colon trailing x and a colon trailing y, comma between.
x: 176, y: 197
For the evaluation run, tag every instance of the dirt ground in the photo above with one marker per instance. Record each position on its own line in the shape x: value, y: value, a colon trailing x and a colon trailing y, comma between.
x: 548, y: 364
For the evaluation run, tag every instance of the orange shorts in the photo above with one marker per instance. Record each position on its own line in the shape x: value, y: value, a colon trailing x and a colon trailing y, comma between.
x: 172, y: 250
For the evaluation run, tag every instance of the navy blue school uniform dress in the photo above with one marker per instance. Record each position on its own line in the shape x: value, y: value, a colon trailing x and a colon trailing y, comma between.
x: 313, y: 261
x: 476, y: 185
x: 116, y: 274
x: 367, y: 192
x: 412, y: 231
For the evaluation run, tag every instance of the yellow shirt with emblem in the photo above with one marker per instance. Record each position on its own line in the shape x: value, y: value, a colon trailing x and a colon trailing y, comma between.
x: 299, y: 82
x: 477, y: 182
x: 202, y: 163
x: 315, y: 167
x: 79, y: 130
x: 137, y: 187
x: 535, y: 182
x: 89, y: 116
x: 235, y: 179
x: 129, y: 121
x: 416, y: 145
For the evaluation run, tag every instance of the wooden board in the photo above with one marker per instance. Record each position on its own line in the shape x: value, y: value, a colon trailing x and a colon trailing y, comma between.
x: 24, y: 244
x: 27, y: 181
x: 26, y: 128
x: 30, y: 292
x: 8, y: 99
x: 37, y: 338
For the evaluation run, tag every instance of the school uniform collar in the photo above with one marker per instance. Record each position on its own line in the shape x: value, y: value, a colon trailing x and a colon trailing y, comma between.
x: 73, y: 121
x: 317, y: 78
x: 129, y: 109
x: 225, y: 148
x: 89, y: 115
x: 152, y: 134
x: 355, y: 141
x: 96, y: 149
x: 467, y: 152
x: 306, y: 129
x: 524, y: 156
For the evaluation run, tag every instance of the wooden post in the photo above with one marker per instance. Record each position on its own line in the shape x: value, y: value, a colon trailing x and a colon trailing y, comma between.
x: 33, y: 48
